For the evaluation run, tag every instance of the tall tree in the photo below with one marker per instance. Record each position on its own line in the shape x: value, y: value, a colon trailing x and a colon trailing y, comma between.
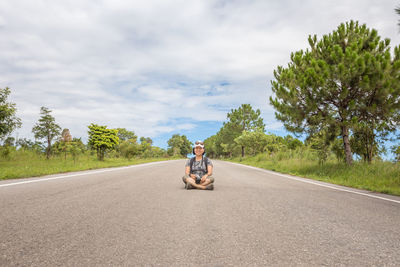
x: 8, y: 120
x: 102, y: 139
x: 397, y: 9
x: 46, y: 128
x: 243, y: 119
x: 346, y: 79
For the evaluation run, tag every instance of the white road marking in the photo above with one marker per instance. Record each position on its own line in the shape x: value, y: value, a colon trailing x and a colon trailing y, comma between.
x: 315, y: 183
x: 80, y: 174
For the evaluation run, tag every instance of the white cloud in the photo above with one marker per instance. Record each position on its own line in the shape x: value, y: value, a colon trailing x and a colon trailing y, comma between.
x: 156, y: 67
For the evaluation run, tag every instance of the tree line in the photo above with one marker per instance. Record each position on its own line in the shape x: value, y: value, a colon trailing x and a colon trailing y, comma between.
x: 51, y: 139
x: 244, y: 134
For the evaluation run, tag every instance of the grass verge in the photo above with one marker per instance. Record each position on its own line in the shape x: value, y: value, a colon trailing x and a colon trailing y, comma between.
x: 382, y: 177
x: 39, y: 166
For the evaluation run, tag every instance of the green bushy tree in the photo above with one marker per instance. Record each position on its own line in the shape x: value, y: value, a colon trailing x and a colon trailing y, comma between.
x: 242, y: 119
x: 255, y: 141
x: 129, y: 148
x: 8, y: 119
x: 102, y: 139
x: 179, y: 145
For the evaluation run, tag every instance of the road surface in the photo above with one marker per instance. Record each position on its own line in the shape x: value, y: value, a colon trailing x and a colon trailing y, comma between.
x: 142, y: 215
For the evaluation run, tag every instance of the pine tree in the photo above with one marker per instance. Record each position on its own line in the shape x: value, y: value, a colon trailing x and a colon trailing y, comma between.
x: 346, y: 80
x: 46, y: 128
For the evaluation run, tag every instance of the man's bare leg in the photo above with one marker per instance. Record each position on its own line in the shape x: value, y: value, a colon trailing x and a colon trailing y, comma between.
x: 193, y: 183
x: 206, y: 182
x: 198, y: 186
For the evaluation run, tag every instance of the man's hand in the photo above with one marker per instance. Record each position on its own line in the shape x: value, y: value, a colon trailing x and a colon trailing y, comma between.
x: 192, y: 176
x: 203, y: 179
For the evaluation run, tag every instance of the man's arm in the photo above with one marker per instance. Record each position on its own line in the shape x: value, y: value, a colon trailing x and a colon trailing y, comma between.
x: 187, y: 172
x: 209, y: 173
x: 209, y: 170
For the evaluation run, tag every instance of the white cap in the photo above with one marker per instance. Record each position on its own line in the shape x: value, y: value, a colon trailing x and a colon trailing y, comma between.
x: 199, y: 144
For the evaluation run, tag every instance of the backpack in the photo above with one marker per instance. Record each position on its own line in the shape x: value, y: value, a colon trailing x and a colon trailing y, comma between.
x: 192, y: 162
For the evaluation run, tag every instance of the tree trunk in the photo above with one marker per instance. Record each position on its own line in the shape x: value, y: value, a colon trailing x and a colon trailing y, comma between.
x: 346, y: 143
x: 48, y: 148
x: 370, y: 146
x: 242, y: 151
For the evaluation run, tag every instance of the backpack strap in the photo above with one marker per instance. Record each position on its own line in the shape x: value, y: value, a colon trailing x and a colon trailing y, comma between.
x: 205, y: 159
x: 191, y: 164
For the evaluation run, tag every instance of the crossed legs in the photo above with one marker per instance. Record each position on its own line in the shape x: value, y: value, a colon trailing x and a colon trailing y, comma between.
x: 202, y: 185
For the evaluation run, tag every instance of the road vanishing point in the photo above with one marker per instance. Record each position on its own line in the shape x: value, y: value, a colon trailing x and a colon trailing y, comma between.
x: 141, y: 215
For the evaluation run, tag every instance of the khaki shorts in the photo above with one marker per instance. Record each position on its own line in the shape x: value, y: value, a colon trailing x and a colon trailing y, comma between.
x: 187, y: 176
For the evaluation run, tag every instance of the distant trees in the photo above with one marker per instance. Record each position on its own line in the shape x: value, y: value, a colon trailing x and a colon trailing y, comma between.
x: 244, y: 133
x: 46, y: 128
x: 179, y: 145
x: 8, y: 120
x: 241, y: 119
x: 244, y: 119
x: 347, y: 82
x: 255, y: 141
x: 66, y: 144
x: 124, y: 134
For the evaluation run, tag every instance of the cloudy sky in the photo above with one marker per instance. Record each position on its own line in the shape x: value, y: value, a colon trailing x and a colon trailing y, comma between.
x: 160, y: 67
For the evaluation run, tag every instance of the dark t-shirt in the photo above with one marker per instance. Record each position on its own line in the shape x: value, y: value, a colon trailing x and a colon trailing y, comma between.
x: 199, y: 167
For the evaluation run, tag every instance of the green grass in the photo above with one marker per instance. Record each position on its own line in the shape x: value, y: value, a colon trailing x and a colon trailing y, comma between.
x: 383, y: 177
x: 31, y: 164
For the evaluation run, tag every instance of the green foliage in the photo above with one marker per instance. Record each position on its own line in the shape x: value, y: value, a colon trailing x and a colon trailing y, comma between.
x: 102, y: 139
x: 211, y: 146
x: 129, y: 148
x: 46, y: 129
x: 396, y: 151
x: 347, y: 78
x: 124, y: 135
x: 179, y: 145
x: 27, y: 144
x: 8, y: 121
x: 10, y: 141
x: 321, y: 143
x: 146, y: 140
x: 255, y: 141
x: 242, y: 119
x: 292, y: 143
x: 72, y: 146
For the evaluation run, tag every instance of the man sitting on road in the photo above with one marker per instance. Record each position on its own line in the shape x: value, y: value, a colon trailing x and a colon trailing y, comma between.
x: 198, y: 170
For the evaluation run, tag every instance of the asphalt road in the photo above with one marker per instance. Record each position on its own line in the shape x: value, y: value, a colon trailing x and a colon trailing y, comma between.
x: 143, y: 216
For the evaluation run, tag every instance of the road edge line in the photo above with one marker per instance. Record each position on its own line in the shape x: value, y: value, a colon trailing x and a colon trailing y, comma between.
x: 299, y: 179
x: 87, y: 172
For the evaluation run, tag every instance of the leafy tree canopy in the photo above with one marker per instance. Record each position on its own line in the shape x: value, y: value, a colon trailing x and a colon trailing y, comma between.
x: 124, y: 134
x: 102, y: 139
x: 179, y: 145
x: 8, y: 120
